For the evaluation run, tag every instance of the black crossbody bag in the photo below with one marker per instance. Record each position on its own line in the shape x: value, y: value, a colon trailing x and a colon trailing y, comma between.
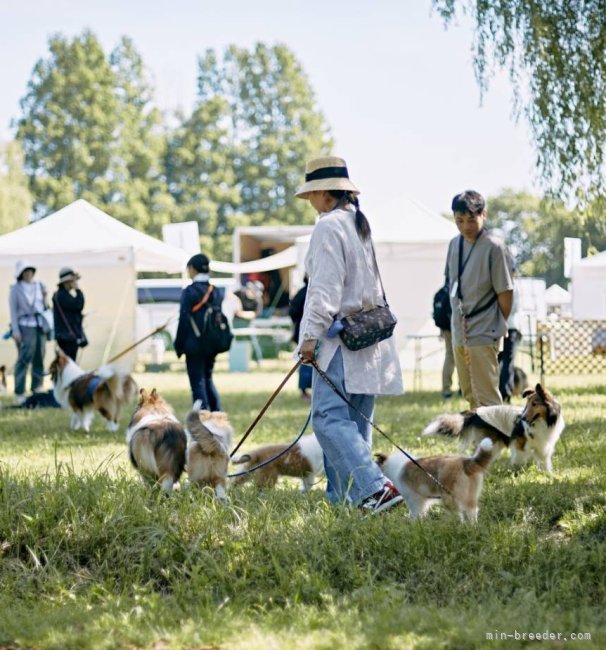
x: 371, y: 324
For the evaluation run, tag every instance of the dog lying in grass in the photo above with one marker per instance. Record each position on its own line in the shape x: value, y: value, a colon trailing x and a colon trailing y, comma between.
x: 105, y: 390
x: 305, y: 460
x: 461, y: 476
x: 156, y: 441
x: 210, y: 435
x: 530, y: 432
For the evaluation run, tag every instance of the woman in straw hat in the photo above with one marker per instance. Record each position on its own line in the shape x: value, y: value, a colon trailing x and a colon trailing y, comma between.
x: 342, y: 279
x: 68, y: 303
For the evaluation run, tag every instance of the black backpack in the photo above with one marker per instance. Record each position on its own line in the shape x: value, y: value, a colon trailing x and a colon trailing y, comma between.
x: 441, y: 308
x: 210, y: 325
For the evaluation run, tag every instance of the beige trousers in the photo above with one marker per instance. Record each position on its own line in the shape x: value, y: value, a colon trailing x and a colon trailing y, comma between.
x: 478, y: 371
x: 449, y: 362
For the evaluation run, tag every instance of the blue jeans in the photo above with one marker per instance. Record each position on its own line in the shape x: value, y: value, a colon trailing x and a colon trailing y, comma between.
x: 305, y: 377
x: 345, y: 438
x: 200, y: 373
x: 31, y: 350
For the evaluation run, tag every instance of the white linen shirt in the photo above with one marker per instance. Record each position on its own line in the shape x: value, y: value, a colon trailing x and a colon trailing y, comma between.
x: 342, y: 279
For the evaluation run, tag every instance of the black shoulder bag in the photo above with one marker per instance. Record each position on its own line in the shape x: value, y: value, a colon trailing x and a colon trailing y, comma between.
x: 371, y: 324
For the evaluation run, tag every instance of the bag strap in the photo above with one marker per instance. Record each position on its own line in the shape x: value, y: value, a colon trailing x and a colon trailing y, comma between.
x: 204, y: 300
x: 56, y: 303
x: 374, y: 259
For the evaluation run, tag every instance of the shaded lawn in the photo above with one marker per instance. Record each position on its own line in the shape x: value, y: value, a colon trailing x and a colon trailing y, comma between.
x: 90, y: 558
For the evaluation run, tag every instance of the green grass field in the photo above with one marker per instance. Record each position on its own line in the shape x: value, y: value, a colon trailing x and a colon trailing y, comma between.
x: 91, y: 558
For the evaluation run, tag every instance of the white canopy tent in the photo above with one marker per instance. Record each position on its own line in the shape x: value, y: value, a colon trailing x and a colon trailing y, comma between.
x: 558, y: 300
x: 107, y: 253
x: 589, y: 287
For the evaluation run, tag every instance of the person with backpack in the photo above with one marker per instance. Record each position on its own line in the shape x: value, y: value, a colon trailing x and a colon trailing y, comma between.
x: 202, y: 333
x: 441, y: 317
x: 481, y: 294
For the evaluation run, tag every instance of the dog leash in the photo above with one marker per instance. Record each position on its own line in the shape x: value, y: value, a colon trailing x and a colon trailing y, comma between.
x: 136, y: 343
x: 265, y: 407
x: 250, y: 470
x: 334, y: 388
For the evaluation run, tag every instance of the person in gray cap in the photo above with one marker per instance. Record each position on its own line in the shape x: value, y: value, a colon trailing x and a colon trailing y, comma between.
x: 68, y: 303
x: 29, y: 327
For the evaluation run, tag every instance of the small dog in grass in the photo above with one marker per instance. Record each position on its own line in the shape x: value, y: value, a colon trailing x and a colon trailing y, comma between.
x: 105, y: 390
x: 530, y: 432
x: 305, y: 460
x: 156, y: 441
x: 461, y: 476
x: 210, y: 435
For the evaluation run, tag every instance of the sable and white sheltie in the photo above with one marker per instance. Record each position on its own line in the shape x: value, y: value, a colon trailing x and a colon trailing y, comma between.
x: 461, y: 476
x: 210, y: 435
x: 105, y: 390
x: 305, y: 461
x: 156, y: 440
x: 530, y: 432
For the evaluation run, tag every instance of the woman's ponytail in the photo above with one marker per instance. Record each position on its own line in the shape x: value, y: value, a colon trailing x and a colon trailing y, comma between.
x: 362, y: 225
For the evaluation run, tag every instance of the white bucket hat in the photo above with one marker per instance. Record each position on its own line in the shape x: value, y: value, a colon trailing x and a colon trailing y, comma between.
x: 328, y: 173
x: 23, y: 265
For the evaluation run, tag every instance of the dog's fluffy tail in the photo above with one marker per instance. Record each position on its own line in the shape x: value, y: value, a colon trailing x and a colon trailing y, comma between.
x: 448, y: 424
x: 484, y: 456
x: 209, y: 443
x: 119, y: 383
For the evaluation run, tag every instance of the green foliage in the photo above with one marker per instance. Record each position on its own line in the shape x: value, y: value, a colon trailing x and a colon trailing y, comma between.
x: 140, y: 195
x: 15, y: 199
x: 554, y: 52
x: 534, y: 229
x: 89, y: 130
x: 240, y: 156
x: 92, y: 558
x: 68, y: 125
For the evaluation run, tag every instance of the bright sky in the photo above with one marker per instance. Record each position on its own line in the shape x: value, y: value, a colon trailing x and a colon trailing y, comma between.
x: 397, y: 89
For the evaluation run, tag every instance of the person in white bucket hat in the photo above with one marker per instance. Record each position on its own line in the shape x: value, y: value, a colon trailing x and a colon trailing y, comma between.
x: 29, y: 327
x: 342, y: 279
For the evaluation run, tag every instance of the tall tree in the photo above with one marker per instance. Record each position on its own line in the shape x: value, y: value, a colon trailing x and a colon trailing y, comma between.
x: 15, y: 199
x: 68, y: 124
x: 200, y: 173
x: 139, y: 196
x: 555, y: 53
x: 276, y: 127
x: 534, y: 229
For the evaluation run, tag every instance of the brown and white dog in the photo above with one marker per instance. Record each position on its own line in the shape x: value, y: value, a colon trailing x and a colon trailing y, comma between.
x: 210, y: 435
x: 530, y: 432
x: 305, y: 461
x: 105, y: 390
x: 461, y: 476
x: 156, y: 441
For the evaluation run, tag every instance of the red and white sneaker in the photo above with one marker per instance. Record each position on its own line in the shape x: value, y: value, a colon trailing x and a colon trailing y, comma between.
x: 382, y: 500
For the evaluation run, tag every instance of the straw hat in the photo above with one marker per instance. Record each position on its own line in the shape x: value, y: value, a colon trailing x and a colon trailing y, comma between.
x: 66, y: 274
x: 23, y: 265
x: 328, y: 173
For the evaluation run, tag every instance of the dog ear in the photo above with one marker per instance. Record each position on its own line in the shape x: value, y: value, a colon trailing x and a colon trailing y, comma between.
x: 143, y: 396
x: 527, y: 392
x: 153, y: 395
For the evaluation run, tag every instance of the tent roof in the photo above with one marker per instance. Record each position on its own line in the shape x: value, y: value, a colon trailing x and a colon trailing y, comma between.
x: 82, y: 228
x: 593, y: 260
x: 406, y: 220
x: 555, y: 295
